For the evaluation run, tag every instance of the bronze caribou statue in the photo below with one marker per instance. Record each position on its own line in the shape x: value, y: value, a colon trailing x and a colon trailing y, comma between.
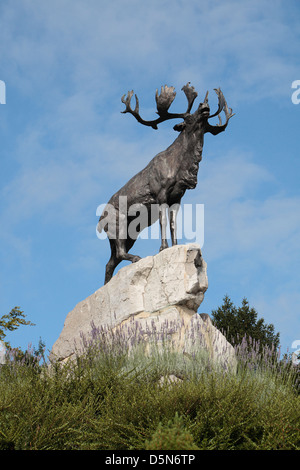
x: 163, y: 182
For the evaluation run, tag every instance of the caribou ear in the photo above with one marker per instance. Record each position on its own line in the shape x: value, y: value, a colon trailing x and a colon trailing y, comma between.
x: 179, y: 127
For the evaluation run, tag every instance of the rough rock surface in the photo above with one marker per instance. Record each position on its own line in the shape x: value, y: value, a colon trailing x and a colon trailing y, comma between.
x: 159, y: 293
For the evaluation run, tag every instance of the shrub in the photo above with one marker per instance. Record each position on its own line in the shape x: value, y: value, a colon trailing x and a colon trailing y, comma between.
x: 107, y: 400
x: 171, y: 436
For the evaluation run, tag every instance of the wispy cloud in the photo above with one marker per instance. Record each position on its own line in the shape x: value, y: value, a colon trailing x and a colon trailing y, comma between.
x: 87, y: 44
x: 241, y: 217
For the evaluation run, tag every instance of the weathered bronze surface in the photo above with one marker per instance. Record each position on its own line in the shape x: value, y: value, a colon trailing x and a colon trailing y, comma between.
x: 163, y: 182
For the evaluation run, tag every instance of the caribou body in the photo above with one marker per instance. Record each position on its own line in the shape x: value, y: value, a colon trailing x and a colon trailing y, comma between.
x: 163, y: 182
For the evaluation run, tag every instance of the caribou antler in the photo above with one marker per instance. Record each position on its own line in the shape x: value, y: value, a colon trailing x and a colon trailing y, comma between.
x: 163, y: 102
x: 228, y: 114
x: 221, y: 107
x: 221, y: 101
x: 191, y: 95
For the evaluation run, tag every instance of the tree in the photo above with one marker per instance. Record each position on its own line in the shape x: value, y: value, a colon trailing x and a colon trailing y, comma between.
x: 12, y: 321
x: 238, y: 323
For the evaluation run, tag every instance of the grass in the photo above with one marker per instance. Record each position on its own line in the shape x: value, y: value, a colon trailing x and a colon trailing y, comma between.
x: 109, y: 400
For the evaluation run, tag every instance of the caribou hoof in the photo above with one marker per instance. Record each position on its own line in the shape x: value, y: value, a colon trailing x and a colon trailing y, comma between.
x: 163, y: 247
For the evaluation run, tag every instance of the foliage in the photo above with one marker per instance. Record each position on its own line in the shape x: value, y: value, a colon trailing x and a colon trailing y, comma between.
x: 31, y: 356
x: 171, y: 436
x: 237, y: 323
x: 106, y: 400
x: 12, y: 321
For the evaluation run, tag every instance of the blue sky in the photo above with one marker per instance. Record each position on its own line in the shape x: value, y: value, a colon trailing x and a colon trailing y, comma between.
x: 66, y: 148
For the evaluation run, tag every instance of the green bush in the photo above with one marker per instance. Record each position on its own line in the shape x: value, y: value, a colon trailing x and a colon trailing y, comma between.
x: 106, y: 400
x: 171, y: 436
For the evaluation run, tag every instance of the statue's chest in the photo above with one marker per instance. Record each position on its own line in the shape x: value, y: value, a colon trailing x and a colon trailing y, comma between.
x: 193, y: 148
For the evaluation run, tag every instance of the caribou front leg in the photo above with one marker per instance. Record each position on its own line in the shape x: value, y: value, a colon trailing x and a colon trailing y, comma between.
x: 173, y: 222
x: 163, y: 226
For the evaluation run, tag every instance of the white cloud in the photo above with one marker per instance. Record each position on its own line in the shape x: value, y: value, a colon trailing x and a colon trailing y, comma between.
x: 281, y: 309
x: 99, y: 45
x: 240, y: 220
x: 79, y: 170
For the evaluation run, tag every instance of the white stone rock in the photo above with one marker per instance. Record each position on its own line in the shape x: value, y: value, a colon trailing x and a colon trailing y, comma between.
x: 162, y: 293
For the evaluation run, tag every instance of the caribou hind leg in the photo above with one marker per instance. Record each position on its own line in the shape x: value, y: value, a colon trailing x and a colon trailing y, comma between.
x: 122, y: 248
x: 112, y: 263
x: 119, y: 252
